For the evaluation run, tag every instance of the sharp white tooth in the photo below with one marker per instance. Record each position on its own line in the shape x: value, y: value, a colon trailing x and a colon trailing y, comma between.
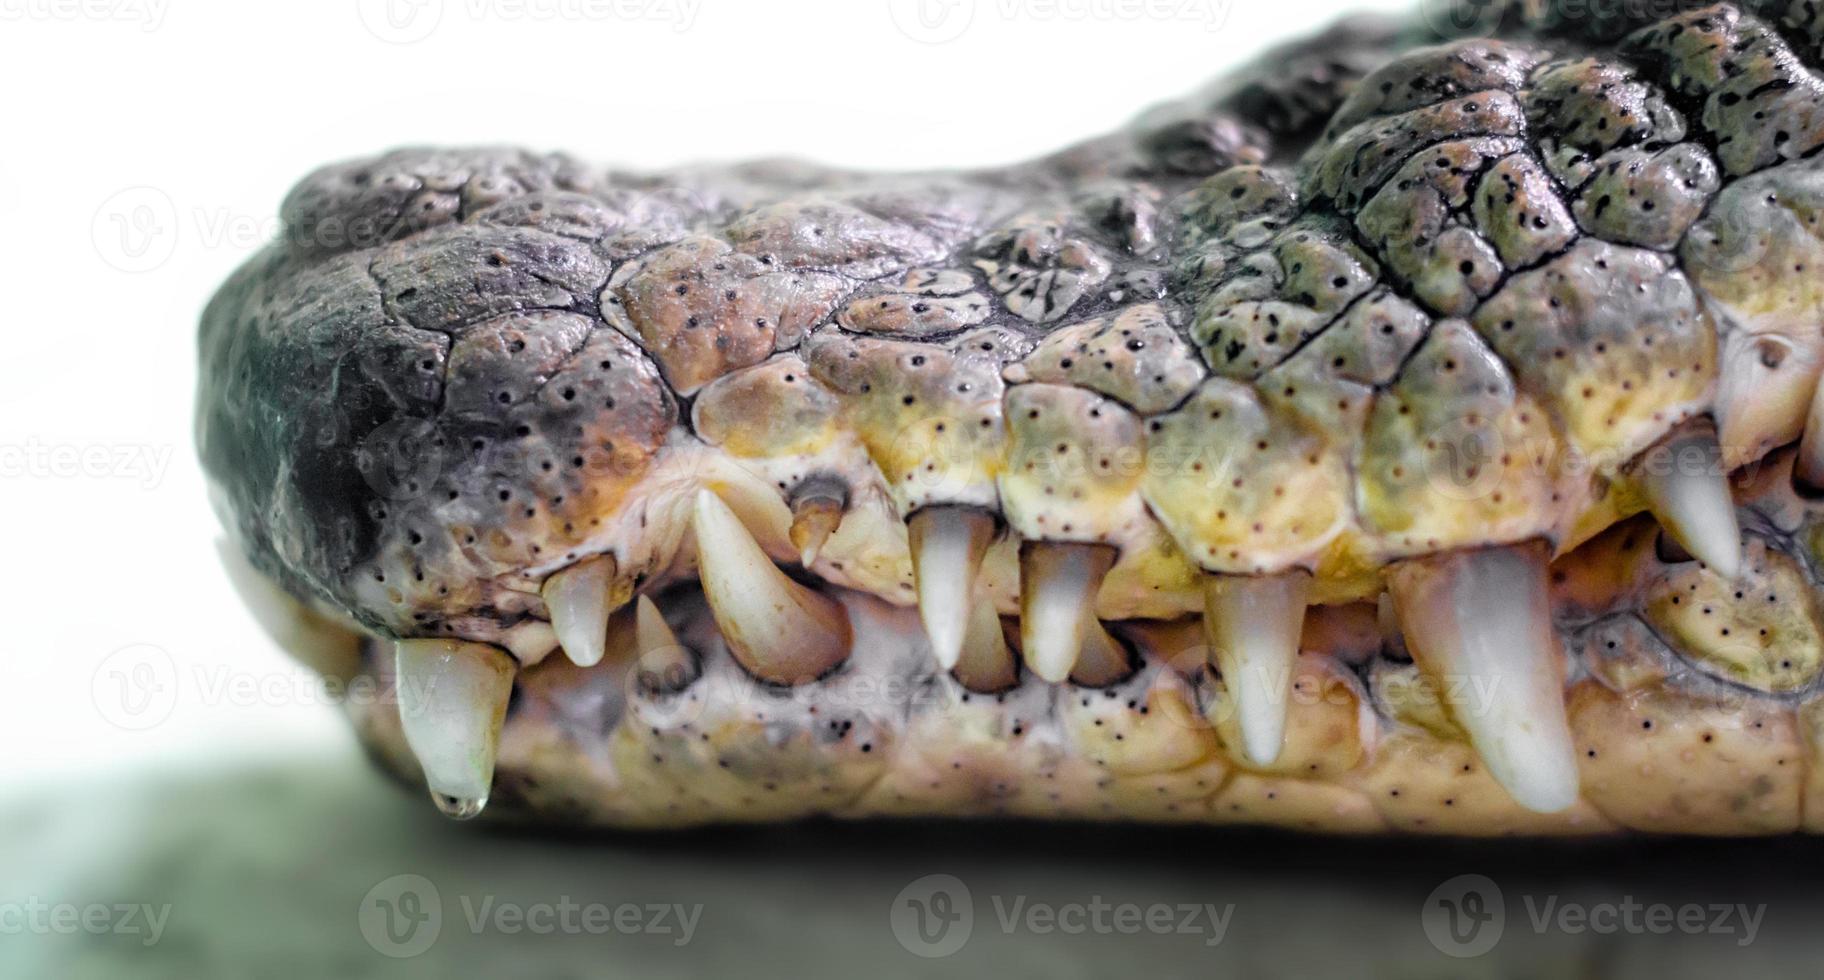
x: 1101, y: 659
x: 664, y: 663
x: 947, y: 548
x: 452, y: 700
x: 779, y: 630
x: 986, y: 663
x: 578, y: 600
x: 1810, y: 464
x: 1480, y: 622
x: 1253, y: 625
x: 815, y: 517
x: 1688, y: 491
x: 1058, y: 586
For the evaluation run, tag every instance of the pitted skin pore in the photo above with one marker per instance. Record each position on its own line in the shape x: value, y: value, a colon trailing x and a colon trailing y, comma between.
x: 448, y: 378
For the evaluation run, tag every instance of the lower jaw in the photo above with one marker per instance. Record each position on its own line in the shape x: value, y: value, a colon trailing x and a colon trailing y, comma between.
x: 1368, y: 743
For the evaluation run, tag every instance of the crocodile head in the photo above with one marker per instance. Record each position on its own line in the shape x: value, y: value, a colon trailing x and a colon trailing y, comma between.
x: 1407, y: 433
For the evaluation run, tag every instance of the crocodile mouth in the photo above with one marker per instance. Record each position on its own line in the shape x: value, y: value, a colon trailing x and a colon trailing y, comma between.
x: 1403, y: 438
x: 1624, y: 684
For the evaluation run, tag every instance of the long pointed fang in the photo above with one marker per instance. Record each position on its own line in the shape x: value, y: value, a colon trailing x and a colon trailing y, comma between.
x: 1481, y: 622
x: 452, y: 702
x: 664, y: 664
x: 1058, y: 586
x: 578, y: 600
x: 1253, y: 625
x: 779, y: 630
x: 1688, y: 492
x: 947, y: 547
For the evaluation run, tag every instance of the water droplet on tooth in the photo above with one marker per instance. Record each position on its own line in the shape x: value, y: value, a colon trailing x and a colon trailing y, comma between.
x: 1253, y: 625
x: 1688, y: 492
x: 947, y: 547
x: 1058, y: 586
x: 459, y: 808
x: 815, y: 516
x: 577, y: 598
x: 452, y: 702
x: 1480, y: 623
x: 779, y: 630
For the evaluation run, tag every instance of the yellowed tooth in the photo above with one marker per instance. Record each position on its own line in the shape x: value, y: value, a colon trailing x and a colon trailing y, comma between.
x: 1253, y: 625
x: 947, y: 547
x: 986, y: 664
x: 578, y: 600
x: 1058, y: 585
x: 1687, y: 490
x: 1101, y: 660
x: 664, y: 664
x: 452, y: 701
x: 815, y: 516
x: 1480, y: 623
x: 1809, y: 467
x: 779, y: 630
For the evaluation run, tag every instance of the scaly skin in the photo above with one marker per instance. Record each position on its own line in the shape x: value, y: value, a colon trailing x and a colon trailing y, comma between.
x: 1374, y: 301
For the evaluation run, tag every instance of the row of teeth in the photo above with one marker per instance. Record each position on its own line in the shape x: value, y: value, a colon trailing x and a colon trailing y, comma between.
x: 1483, y: 615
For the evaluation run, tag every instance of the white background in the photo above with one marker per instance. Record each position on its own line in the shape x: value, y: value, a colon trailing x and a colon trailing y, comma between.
x: 150, y: 141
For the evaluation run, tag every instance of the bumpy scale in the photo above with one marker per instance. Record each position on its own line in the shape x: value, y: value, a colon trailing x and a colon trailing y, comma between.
x: 1412, y: 433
